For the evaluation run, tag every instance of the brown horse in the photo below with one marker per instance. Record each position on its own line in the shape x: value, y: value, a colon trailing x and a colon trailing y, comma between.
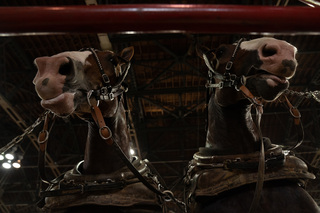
x: 235, y: 172
x: 89, y: 84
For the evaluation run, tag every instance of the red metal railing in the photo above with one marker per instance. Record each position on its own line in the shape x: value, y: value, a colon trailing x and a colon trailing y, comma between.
x: 160, y: 18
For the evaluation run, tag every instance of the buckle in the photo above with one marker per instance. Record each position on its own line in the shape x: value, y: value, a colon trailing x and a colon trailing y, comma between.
x: 103, y: 91
x: 105, y: 94
x: 219, y: 85
x: 104, y: 130
x: 229, y: 65
x: 111, y: 96
x: 105, y: 78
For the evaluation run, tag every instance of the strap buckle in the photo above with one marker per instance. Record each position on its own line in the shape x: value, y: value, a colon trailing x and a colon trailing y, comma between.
x: 111, y: 96
x: 105, y: 78
x: 105, y: 133
x: 229, y: 65
x: 106, y: 94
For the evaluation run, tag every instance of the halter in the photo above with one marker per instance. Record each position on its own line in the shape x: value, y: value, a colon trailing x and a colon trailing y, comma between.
x: 227, y: 79
x: 108, y: 92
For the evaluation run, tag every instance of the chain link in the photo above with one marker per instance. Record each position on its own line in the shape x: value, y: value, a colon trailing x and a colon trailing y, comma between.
x: 27, y: 131
x: 309, y: 94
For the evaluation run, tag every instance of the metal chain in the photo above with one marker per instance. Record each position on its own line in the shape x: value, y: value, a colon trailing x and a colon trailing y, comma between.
x: 309, y: 94
x: 27, y: 131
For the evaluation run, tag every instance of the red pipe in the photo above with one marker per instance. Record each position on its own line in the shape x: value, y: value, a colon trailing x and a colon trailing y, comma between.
x: 160, y: 18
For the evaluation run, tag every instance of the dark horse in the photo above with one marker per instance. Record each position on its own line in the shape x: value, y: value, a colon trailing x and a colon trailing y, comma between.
x: 234, y: 172
x: 89, y: 84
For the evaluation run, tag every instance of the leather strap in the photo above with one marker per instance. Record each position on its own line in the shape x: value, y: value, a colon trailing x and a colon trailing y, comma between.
x: 42, y: 140
x: 104, y: 131
x: 297, y: 123
x: 257, y: 103
x: 261, y: 167
x: 82, y: 188
x: 106, y: 135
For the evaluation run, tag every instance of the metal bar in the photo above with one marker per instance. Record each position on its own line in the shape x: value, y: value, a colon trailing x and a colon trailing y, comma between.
x: 4, y: 208
x: 198, y: 18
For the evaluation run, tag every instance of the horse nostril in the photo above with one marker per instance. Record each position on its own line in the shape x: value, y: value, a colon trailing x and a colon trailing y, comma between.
x: 66, y: 68
x: 45, y: 81
x: 269, y: 51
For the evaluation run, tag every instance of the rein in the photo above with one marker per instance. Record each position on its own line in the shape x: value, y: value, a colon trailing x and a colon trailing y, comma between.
x: 238, y: 82
x: 106, y: 135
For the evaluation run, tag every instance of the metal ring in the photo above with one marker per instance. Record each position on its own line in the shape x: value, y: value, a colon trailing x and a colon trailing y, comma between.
x: 89, y: 94
x: 168, y: 195
x: 229, y: 65
x: 46, y: 138
x: 292, y: 113
x: 100, y: 132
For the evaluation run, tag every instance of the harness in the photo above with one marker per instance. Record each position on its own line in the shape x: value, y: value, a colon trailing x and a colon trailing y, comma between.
x: 238, y: 82
x: 203, y: 161
x: 108, y: 92
x: 147, y: 175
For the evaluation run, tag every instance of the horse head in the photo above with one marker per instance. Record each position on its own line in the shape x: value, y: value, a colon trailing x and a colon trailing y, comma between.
x: 66, y: 82
x: 265, y: 63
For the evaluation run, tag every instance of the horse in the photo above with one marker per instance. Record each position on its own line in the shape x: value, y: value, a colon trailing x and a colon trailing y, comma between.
x: 238, y: 170
x: 90, y: 84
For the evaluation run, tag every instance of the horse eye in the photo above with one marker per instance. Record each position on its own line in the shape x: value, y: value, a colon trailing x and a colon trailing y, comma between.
x: 113, y: 61
x: 220, y: 52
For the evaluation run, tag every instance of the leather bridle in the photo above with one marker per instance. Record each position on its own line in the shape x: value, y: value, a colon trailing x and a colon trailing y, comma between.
x: 238, y: 82
x: 108, y: 92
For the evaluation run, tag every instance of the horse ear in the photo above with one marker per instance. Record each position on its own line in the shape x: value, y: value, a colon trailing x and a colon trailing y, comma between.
x: 127, y: 53
x: 201, y: 50
x: 208, y: 56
